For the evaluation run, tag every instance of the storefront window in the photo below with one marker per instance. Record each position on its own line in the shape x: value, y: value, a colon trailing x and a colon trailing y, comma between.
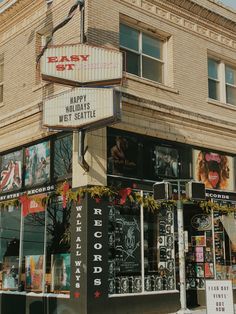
x: 63, y: 157
x: 9, y: 246
x: 141, y: 250
x: 58, y: 246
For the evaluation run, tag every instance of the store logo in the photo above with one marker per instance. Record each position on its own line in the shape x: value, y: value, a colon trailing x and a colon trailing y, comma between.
x: 201, y: 222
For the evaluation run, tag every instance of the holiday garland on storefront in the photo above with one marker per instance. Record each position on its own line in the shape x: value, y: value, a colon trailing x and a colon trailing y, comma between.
x: 124, y: 196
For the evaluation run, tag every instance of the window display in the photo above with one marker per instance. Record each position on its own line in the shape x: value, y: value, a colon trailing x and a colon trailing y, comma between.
x: 128, y: 234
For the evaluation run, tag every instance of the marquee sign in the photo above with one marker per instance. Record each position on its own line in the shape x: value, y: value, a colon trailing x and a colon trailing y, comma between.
x: 82, y: 108
x: 81, y: 64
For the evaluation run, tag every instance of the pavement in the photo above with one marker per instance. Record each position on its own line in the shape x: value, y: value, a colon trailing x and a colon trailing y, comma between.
x: 197, y: 310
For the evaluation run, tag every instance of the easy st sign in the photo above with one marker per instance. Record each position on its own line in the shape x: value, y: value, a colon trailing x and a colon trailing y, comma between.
x: 81, y: 64
x: 82, y: 108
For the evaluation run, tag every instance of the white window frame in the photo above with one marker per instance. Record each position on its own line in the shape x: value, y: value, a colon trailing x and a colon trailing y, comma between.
x: 140, y: 53
x: 222, y: 80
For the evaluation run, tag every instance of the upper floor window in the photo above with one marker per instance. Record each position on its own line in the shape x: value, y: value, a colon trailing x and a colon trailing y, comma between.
x: 144, y: 53
x: 221, y: 81
x: 1, y: 76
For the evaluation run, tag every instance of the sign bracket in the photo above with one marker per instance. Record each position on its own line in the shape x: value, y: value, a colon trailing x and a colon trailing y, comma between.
x: 82, y: 151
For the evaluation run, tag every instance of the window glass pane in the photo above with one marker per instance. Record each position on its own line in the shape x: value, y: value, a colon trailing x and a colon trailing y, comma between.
x: 37, y: 158
x: 33, y: 249
x: 159, y: 263
x: 63, y: 157
x: 132, y: 63
x: 11, y: 172
x: 151, y: 46
x: 124, y: 241
x: 213, y: 89
x: 152, y: 69
x: 1, y: 73
x: 230, y: 75
x: 58, y: 245
x: 231, y: 95
x: 129, y: 37
x: 212, y: 68
x: 10, y: 218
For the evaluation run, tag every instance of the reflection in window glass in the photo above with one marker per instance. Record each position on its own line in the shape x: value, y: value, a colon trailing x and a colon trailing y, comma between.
x: 152, y: 46
x: 37, y: 159
x: 33, y: 250
x: 10, y: 218
x: 230, y: 75
x: 129, y: 37
x: 63, y: 157
x: 212, y: 69
x: 58, y: 245
x: 231, y: 95
x: 132, y: 63
x: 11, y: 172
x: 152, y: 69
x: 213, y: 89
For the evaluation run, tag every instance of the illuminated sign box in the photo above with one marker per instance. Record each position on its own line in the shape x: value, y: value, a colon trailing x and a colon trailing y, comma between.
x: 82, y: 108
x: 81, y: 64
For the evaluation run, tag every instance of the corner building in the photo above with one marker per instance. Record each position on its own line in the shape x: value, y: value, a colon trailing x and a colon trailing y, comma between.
x: 65, y: 246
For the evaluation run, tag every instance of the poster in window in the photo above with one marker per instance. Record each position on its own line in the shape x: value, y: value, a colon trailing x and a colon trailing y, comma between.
x: 199, y: 270
x: 199, y: 254
x: 10, y: 273
x: 166, y: 162
x: 11, y: 172
x: 128, y: 243
x: 34, y: 272
x: 61, y: 272
x: 198, y: 240
x: 123, y: 152
x: 215, y: 170
x: 37, y: 164
x: 209, y: 270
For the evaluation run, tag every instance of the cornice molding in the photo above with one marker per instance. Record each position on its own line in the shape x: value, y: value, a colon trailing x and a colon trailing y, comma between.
x: 202, y: 22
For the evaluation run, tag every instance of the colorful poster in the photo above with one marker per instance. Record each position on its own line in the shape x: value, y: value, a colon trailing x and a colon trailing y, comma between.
x: 37, y: 158
x: 61, y: 272
x: 215, y: 170
x: 34, y: 272
x: 199, y: 254
x: 209, y: 270
x: 198, y: 240
x: 122, y: 155
x: 11, y: 172
x: 10, y: 273
x: 166, y: 162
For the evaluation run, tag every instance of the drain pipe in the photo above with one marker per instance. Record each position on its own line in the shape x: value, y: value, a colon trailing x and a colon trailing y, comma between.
x: 82, y: 151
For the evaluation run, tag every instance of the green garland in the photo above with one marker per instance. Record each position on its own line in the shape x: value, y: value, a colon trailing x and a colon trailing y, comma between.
x: 112, y: 194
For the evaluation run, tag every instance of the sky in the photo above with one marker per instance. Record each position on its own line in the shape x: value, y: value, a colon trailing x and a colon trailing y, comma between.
x: 230, y: 3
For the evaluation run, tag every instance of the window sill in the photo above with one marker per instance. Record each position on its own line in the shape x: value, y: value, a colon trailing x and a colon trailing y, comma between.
x: 33, y: 294
x: 221, y: 104
x: 129, y: 76
x: 142, y: 293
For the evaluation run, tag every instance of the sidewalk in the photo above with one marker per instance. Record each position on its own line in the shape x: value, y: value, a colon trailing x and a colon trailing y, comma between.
x: 196, y: 310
